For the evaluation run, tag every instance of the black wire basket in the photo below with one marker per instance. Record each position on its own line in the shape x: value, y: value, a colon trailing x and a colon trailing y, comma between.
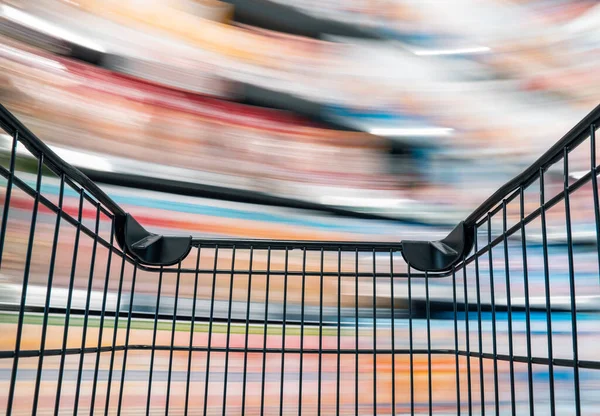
x: 110, y: 318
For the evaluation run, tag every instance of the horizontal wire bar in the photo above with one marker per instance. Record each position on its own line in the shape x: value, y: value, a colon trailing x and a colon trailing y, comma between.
x: 594, y: 365
x: 309, y: 245
x: 293, y: 273
x: 9, y: 308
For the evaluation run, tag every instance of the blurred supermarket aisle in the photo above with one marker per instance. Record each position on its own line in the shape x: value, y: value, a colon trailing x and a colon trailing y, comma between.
x: 378, y: 124
x: 369, y: 120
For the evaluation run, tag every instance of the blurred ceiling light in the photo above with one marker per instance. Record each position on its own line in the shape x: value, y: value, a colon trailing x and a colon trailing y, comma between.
x: 578, y: 174
x: 84, y: 160
x: 74, y: 157
x: 557, y: 301
x: 412, y: 132
x: 48, y: 28
x: 589, y: 21
x: 31, y: 58
x: 364, y: 202
x: 458, y: 51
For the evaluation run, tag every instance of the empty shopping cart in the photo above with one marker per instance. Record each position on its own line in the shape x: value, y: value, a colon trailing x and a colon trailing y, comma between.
x: 100, y: 316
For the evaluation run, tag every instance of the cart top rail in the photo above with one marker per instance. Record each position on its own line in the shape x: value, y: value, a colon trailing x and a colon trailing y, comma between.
x: 152, y: 249
x: 570, y: 140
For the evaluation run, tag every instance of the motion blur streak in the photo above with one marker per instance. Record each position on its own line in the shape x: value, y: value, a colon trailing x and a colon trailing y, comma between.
x: 349, y: 120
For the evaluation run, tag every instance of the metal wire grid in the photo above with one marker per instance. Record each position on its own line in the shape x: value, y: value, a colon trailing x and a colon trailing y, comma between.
x: 359, y: 361
x: 509, y: 237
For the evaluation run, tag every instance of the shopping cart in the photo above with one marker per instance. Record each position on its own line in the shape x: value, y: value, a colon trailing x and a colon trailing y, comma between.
x: 91, y: 330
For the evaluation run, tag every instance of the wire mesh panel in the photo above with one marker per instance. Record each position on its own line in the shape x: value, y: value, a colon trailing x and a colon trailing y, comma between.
x: 533, y: 291
x: 281, y: 327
